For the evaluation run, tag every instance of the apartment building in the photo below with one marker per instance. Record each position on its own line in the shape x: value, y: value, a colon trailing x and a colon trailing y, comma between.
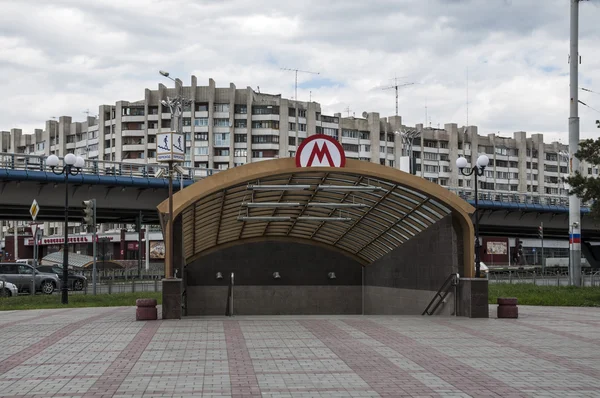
x: 228, y: 127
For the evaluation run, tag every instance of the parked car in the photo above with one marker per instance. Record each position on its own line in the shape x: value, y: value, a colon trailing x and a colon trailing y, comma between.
x: 75, y: 282
x: 8, y: 289
x: 20, y: 275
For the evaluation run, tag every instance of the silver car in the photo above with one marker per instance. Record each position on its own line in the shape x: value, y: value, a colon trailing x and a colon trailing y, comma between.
x: 8, y: 289
x: 20, y: 275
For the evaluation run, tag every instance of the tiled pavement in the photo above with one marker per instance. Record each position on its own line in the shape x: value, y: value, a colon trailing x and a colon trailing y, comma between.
x: 104, y: 352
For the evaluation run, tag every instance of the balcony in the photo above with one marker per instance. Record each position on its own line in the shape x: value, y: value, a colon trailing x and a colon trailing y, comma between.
x: 199, y: 114
x: 165, y: 129
x: 221, y: 159
x: 153, y: 117
x: 133, y: 147
x: 265, y: 117
x: 133, y: 133
x: 137, y: 118
x: 152, y: 131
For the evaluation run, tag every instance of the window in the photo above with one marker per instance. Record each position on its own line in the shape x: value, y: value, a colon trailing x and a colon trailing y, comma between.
x: 432, y: 169
x: 430, y: 144
x: 203, y: 150
x: 489, y: 174
x: 40, y: 146
x: 240, y: 138
x: 240, y: 152
x: 241, y: 109
x: 486, y: 185
x: 265, y: 124
x: 301, y: 127
x: 201, y: 136
x: 391, y: 163
x: 241, y: 123
x: 265, y: 110
x: 221, y: 139
x: 152, y: 125
x: 330, y: 132
x: 265, y: 139
x: 221, y: 152
x: 329, y: 119
x: 390, y: 150
x: 202, y: 107
x: 221, y: 108
x: 350, y: 147
x: 444, y: 145
x: 430, y: 156
x: 554, y: 169
x: 129, y: 111
x: 350, y: 133
x: 292, y: 126
x: 203, y: 121
x: 265, y: 154
x: 447, y: 169
x: 221, y: 122
x: 444, y: 157
x: 291, y: 140
x: 302, y: 113
x: 365, y: 148
x: 553, y: 157
x: 364, y: 135
x: 443, y: 181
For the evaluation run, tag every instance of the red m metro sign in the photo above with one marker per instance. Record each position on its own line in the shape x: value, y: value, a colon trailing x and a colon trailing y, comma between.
x: 320, y: 151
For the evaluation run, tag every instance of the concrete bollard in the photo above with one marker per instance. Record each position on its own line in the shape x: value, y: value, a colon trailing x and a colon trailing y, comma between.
x: 507, y: 307
x: 146, y: 310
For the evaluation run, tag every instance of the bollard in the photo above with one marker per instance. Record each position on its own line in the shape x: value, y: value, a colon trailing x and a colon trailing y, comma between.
x: 146, y: 310
x: 507, y: 307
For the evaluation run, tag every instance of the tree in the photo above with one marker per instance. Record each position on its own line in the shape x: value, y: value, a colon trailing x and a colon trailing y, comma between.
x: 587, y: 188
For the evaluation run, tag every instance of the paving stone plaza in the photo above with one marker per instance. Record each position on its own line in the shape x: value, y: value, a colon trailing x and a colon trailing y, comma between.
x: 104, y: 352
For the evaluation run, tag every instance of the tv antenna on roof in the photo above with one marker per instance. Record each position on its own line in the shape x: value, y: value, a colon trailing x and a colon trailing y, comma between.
x: 396, y: 86
x: 296, y: 81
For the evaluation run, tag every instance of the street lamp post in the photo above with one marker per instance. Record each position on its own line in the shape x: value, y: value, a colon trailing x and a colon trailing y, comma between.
x: 176, y: 106
x: 478, y: 170
x: 72, y: 166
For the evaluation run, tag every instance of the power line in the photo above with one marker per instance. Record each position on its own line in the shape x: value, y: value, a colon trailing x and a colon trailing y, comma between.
x: 589, y: 91
x: 584, y: 104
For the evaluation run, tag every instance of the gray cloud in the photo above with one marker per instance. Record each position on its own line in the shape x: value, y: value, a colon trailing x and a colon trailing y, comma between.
x: 60, y: 57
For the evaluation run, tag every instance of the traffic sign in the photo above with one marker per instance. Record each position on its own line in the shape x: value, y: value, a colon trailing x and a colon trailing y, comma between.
x: 170, y: 147
x: 34, y: 209
x: 320, y: 151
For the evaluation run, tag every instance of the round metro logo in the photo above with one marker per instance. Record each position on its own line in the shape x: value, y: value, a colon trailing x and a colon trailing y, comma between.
x: 320, y: 151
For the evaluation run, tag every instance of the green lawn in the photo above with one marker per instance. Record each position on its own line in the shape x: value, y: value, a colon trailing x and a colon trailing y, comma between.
x: 529, y: 294
x: 75, y: 300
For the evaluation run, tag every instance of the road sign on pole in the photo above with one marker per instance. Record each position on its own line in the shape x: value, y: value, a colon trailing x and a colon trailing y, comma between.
x: 34, y: 209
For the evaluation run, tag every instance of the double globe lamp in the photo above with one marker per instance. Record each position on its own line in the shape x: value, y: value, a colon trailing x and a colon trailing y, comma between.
x: 72, y: 166
x: 478, y: 170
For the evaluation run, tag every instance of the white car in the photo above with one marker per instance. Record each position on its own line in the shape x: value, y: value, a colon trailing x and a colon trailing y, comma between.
x: 8, y: 289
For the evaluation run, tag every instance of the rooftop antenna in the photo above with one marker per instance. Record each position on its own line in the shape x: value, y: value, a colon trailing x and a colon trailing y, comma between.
x: 296, y: 80
x: 467, y: 95
x: 348, y: 110
x: 396, y: 86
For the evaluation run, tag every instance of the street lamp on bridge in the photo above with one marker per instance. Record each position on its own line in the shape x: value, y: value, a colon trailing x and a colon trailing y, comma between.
x: 72, y: 166
x: 477, y: 170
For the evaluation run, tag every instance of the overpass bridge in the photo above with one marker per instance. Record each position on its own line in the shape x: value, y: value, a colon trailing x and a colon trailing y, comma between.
x: 124, y: 189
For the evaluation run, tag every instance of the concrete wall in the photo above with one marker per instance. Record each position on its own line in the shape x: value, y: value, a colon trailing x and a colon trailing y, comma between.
x: 405, y: 280
x: 304, y: 286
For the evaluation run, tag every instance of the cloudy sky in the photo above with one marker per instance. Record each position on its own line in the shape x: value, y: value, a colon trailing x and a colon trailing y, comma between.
x: 62, y: 57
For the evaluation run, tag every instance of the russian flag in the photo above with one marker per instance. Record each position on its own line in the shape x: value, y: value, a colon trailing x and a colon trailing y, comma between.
x: 574, y: 238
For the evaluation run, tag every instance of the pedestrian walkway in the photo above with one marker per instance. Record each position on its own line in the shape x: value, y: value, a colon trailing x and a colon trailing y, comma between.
x: 104, y: 352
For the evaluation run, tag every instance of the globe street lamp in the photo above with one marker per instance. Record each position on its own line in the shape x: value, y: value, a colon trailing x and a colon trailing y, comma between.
x: 478, y: 170
x: 72, y: 166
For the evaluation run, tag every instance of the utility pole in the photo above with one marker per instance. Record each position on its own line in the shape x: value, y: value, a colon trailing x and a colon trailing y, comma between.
x: 541, y: 235
x: 296, y: 97
x: 574, y: 202
x: 396, y: 86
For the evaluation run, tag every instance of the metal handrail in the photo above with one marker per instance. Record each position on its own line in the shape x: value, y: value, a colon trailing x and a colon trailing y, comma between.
x: 452, y: 280
x: 27, y: 162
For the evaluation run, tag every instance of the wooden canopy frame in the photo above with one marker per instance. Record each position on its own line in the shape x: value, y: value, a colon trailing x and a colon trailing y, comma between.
x: 216, y: 213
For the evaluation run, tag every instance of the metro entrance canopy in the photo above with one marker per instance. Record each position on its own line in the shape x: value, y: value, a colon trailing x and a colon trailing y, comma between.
x: 363, y: 209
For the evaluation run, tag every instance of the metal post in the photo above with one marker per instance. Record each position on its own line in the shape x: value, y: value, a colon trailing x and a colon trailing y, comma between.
x: 140, y: 251
x: 169, y: 243
x: 35, y: 257
x: 543, y: 259
x: 477, y: 244
x: 574, y: 202
x: 65, y: 288
x: 94, y: 249
x: 147, y: 237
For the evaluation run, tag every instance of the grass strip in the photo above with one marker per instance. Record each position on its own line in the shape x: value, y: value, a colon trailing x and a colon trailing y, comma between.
x: 40, y: 301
